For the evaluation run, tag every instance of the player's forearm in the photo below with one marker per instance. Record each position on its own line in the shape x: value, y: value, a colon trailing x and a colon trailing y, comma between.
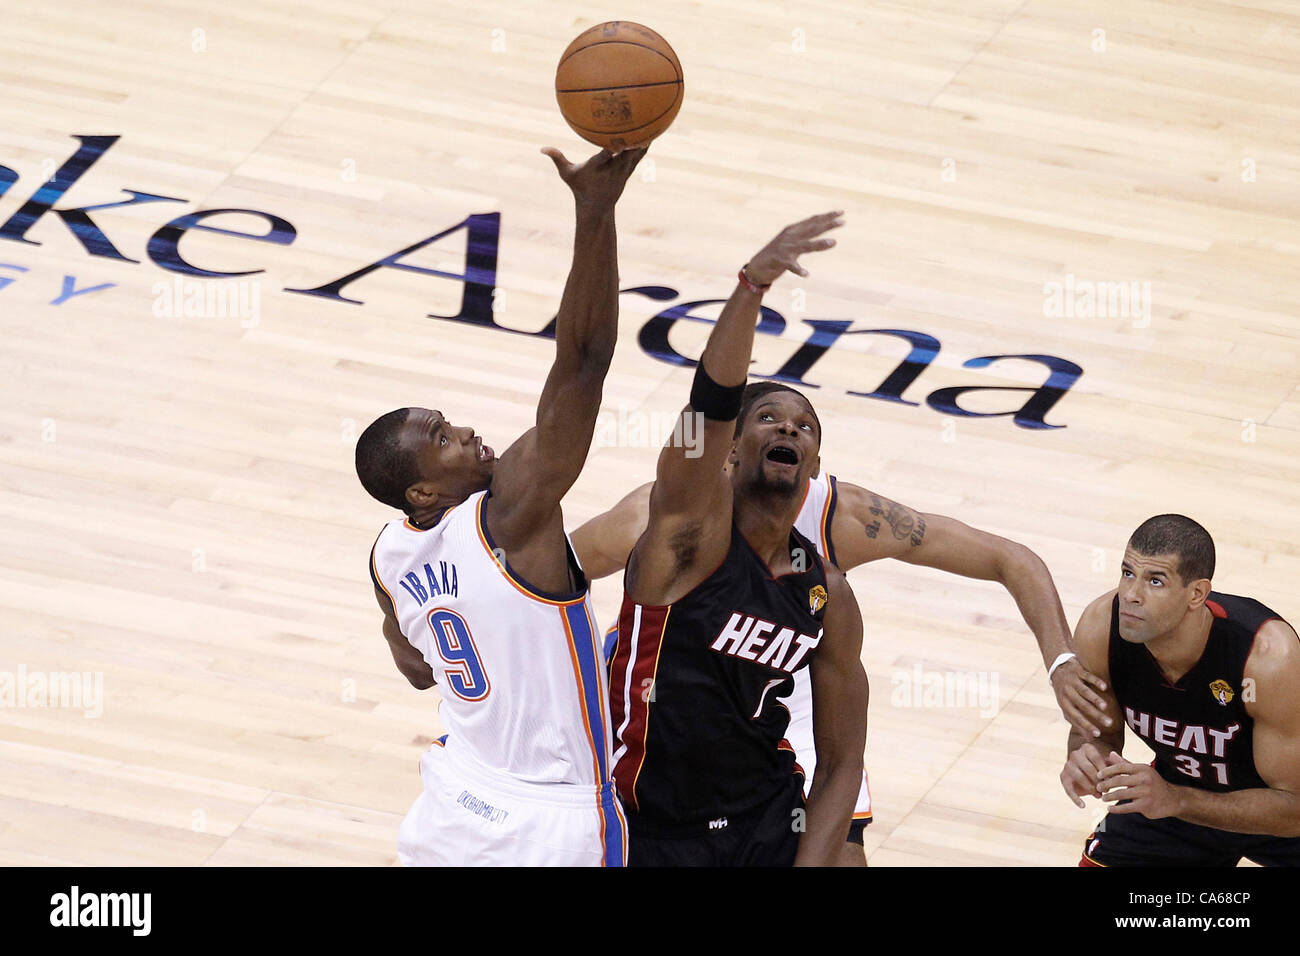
x: 586, y: 326
x: 1029, y: 583
x: 1260, y: 810
x: 727, y: 355
x: 828, y: 813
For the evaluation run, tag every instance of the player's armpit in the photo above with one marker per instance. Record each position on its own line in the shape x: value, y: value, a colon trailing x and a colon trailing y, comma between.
x: 840, y: 692
x: 604, y: 543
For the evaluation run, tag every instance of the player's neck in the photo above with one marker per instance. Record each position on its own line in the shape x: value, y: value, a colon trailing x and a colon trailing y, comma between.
x: 766, y: 525
x: 1178, y: 651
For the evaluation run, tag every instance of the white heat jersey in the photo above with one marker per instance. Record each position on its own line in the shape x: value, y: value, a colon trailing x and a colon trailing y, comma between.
x: 814, y: 523
x: 521, y: 673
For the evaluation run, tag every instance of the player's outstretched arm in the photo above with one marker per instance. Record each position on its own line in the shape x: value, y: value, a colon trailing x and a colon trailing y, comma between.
x: 689, y: 527
x: 1086, y: 754
x: 839, y: 691
x: 536, y: 471
x: 603, y: 543
x: 1274, y: 667
x: 868, y: 527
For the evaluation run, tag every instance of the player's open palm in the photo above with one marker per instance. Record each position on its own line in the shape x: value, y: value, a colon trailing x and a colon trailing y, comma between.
x: 600, y: 180
x: 782, y: 254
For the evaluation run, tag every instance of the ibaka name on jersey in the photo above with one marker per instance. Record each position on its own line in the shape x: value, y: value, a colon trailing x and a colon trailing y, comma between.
x: 433, y: 585
x: 751, y: 638
x: 1192, y: 738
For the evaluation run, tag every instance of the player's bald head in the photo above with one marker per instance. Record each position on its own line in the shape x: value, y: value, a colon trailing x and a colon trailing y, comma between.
x: 755, y: 392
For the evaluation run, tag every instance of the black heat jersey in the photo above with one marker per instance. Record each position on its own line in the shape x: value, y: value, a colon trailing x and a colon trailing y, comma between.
x: 694, y: 687
x: 1198, y: 727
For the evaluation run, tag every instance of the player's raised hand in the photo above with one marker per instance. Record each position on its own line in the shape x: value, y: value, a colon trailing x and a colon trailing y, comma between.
x: 600, y: 180
x: 1081, y: 775
x: 782, y: 253
x: 1076, y: 694
x: 1146, y: 791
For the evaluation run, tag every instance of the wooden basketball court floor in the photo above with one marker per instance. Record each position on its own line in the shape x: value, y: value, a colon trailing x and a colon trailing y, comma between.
x: 180, y: 512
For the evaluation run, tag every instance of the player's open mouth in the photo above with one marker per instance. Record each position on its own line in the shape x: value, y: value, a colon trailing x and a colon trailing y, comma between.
x: 783, y: 455
x: 485, y: 452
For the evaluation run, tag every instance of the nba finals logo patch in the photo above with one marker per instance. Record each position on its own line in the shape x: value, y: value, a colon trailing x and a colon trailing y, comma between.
x: 1222, y: 692
x: 816, y: 598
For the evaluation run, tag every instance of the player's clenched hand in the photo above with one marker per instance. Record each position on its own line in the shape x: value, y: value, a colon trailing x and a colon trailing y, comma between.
x: 783, y: 252
x: 1076, y: 694
x: 1150, y: 794
x: 600, y: 180
x: 1080, y: 778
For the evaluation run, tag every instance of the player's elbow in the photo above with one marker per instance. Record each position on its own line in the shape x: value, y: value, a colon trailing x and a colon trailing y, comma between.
x: 419, y: 681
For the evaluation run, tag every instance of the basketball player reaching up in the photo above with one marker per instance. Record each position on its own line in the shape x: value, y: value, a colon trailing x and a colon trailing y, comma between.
x: 724, y: 601
x: 851, y: 526
x: 1211, y: 682
x: 482, y: 595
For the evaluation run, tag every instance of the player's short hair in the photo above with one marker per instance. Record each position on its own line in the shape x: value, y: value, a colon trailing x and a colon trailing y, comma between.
x: 385, y: 465
x: 755, y: 391
x: 1180, y: 535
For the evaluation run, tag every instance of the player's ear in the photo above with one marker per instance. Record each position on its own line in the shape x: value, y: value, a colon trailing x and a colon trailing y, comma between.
x: 1200, y: 591
x: 422, y: 494
x: 733, y: 456
x: 817, y: 466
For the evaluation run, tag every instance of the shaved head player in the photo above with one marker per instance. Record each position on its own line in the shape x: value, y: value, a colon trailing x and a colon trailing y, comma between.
x: 482, y: 594
x: 852, y: 526
x: 723, y: 602
x: 1211, y: 682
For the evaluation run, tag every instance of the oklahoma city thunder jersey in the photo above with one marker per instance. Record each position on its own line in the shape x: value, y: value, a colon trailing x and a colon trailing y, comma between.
x: 522, y: 679
x: 1198, y: 726
x: 695, y: 684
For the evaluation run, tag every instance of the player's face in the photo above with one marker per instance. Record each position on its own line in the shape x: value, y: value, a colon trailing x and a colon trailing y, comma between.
x: 1152, y: 597
x: 777, y: 450
x: 453, y: 458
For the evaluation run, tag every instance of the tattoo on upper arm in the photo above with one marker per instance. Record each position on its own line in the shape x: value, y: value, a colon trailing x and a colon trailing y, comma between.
x: 905, y: 523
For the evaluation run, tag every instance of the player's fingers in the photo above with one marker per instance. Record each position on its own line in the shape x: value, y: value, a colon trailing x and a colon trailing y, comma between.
x: 557, y: 157
x: 814, y: 225
x: 1093, y: 679
x: 1077, y: 717
x: 1095, y: 760
x: 1072, y: 788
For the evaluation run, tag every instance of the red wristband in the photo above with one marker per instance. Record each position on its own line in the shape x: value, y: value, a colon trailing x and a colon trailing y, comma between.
x: 751, y: 286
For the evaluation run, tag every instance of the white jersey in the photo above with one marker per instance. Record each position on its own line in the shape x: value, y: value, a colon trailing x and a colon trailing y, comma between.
x: 521, y: 674
x: 814, y: 523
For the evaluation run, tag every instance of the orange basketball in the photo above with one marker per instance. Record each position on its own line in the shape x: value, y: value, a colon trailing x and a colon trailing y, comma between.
x: 619, y: 85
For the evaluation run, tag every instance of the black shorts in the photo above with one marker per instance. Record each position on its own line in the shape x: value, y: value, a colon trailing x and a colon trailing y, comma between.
x: 765, y: 836
x: 1130, y: 839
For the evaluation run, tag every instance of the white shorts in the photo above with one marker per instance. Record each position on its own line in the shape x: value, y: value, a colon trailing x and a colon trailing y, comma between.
x: 800, y: 736
x: 466, y: 816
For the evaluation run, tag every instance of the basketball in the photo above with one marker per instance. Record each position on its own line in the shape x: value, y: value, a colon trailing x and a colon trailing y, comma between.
x: 619, y: 85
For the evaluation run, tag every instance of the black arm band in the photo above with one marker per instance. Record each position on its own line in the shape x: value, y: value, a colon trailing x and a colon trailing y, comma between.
x: 718, y: 403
